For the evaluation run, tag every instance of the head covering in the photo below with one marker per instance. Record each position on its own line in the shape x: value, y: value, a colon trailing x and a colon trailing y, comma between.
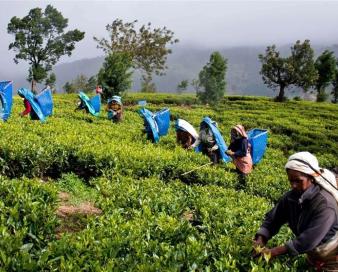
x: 185, y: 126
x: 303, y: 162
x: 240, y: 129
x: 115, y: 98
x: 307, y: 163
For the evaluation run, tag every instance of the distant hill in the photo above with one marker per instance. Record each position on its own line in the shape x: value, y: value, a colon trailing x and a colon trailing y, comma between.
x: 185, y: 63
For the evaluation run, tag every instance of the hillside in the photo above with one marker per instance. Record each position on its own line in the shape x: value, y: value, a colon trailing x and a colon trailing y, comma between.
x: 184, y: 63
x: 80, y: 193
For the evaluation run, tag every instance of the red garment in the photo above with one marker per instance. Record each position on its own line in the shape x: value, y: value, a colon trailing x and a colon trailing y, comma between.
x: 28, y: 107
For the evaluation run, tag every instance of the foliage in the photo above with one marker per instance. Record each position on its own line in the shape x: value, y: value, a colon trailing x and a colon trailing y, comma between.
x: 146, y: 46
x: 182, y: 86
x: 153, y: 218
x: 212, y: 80
x: 40, y: 39
x: 115, y: 75
x: 297, y: 69
x: 196, y: 85
x: 80, y: 83
x: 27, y: 223
x: 50, y: 81
x: 148, y: 86
x: 326, y: 68
x: 334, y: 91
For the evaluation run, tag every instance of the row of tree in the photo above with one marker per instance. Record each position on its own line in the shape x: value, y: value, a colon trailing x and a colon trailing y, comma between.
x: 300, y: 69
x: 41, y: 40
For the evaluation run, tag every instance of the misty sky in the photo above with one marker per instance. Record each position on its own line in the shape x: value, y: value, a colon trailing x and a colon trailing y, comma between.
x: 211, y: 24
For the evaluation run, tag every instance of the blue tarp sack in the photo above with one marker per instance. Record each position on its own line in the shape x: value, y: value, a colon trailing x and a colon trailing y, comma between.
x: 218, y: 138
x: 6, y: 100
x: 142, y: 103
x: 25, y: 93
x: 45, y: 101
x: 156, y: 125
x: 258, y: 140
x: 162, y: 118
x: 93, y: 105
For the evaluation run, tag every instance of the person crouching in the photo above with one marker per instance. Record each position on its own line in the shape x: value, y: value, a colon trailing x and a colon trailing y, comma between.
x: 115, y: 109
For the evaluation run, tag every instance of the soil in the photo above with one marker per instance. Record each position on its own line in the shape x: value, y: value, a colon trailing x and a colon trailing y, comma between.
x: 73, y: 218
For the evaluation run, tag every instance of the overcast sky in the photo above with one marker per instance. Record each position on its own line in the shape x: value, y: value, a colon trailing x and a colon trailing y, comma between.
x: 210, y: 24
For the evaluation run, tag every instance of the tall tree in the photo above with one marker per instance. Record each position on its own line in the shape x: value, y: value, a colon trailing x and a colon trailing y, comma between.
x: 283, y: 72
x: 334, y: 91
x: 146, y: 46
x: 326, y: 68
x: 115, y: 75
x: 212, y: 79
x: 40, y: 39
x: 80, y: 83
x: 182, y: 86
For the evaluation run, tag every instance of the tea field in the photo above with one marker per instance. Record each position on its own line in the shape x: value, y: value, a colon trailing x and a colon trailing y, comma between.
x: 152, y: 218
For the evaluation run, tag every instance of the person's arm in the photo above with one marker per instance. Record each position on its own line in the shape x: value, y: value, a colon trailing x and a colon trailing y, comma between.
x: 196, y: 143
x: 215, y: 147
x: 319, y: 226
x: 273, y: 221
x: 276, y: 251
x: 242, y: 151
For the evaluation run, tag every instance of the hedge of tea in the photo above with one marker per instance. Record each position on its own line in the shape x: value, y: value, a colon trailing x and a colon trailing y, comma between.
x: 154, y: 218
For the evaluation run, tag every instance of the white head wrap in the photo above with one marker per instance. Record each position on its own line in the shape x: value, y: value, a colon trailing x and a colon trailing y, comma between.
x: 307, y: 163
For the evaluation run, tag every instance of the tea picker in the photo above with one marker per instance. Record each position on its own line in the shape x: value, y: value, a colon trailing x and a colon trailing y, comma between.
x: 114, y: 109
x: 156, y: 124
x: 310, y: 209
x: 6, y: 100
x: 89, y: 105
x: 38, y: 106
x: 210, y: 142
x: 186, y: 135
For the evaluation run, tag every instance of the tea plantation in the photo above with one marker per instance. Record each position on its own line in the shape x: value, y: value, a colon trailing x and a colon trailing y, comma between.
x: 152, y: 217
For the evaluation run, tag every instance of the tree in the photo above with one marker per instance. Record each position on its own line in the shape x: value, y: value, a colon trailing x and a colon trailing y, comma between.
x: 212, y: 79
x: 326, y: 68
x: 40, y: 40
x: 148, y: 87
x: 335, y: 87
x: 182, y: 86
x: 196, y: 85
x: 115, y: 75
x: 80, y: 83
x: 147, y: 47
x: 50, y: 81
x: 297, y: 69
x: 92, y: 83
x: 69, y: 88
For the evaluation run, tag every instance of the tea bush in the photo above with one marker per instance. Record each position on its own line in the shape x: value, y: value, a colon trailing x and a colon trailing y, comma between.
x: 154, y: 217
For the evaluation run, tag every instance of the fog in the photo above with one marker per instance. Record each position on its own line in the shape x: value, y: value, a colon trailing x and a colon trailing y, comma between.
x: 205, y: 24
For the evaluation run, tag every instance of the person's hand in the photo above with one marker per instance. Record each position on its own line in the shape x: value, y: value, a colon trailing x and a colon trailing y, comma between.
x: 229, y: 152
x: 258, y: 246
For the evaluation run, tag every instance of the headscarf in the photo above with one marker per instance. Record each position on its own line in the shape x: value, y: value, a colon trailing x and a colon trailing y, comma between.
x: 307, y: 163
x: 115, y: 98
x: 241, y: 131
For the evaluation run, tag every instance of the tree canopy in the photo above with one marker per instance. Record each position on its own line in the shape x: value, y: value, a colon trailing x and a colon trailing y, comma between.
x: 326, y: 68
x: 146, y: 46
x: 298, y: 69
x: 80, y: 83
x: 115, y: 74
x: 40, y: 39
x: 212, y: 79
